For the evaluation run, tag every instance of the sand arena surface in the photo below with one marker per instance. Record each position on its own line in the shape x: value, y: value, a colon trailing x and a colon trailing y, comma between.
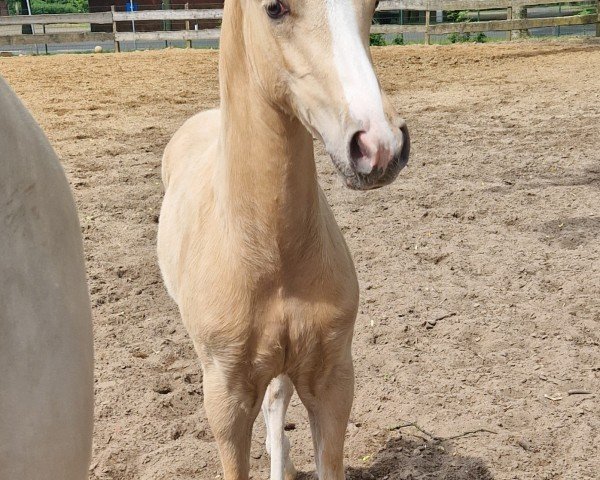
x: 494, y: 229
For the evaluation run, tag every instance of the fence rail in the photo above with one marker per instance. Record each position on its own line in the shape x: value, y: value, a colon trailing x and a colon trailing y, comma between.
x: 205, y: 34
x: 488, y: 26
x: 512, y: 23
x: 52, y: 38
x: 47, y: 19
x: 204, y: 14
x: 474, y: 5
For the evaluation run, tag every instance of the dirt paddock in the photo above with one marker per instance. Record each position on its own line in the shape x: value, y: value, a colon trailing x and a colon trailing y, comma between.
x: 492, y: 235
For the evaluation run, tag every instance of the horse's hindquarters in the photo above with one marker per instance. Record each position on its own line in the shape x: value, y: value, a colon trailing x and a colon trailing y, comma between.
x: 46, y: 351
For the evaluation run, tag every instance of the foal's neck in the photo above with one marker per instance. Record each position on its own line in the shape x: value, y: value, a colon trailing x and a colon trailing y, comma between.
x: 266, y: 176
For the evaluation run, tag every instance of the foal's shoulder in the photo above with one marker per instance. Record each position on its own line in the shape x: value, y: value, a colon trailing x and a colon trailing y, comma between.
x: 203, y: 122
x: 194, y: 137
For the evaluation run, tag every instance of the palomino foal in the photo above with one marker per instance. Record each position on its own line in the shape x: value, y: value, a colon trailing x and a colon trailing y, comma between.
x: 46, y: 352
x: 248, y: 246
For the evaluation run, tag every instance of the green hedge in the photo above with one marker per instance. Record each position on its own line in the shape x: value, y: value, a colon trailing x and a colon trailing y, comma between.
x: 53, y: 6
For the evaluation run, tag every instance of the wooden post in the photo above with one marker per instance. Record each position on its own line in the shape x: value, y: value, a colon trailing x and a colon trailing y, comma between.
x: 167, y: 23
x: 188, y: 43
x: 427, y: 36
x: 117, y: 44
x: 519, y: 13
x: 598, y: 18
x: 44, y: 32
x: 509, y: 17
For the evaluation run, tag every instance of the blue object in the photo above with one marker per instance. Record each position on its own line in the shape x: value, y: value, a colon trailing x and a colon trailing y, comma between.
x: 131, y: 7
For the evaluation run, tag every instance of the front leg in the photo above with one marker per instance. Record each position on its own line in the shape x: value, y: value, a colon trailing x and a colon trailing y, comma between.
x: 232, y: 404
x: 328, y: 400
x: 275, y: 404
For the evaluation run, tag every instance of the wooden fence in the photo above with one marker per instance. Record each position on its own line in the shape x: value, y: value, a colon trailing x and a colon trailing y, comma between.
x: 512, y: 23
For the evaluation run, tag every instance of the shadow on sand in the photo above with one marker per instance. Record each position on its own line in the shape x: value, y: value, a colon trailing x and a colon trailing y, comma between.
x: 404, y: 459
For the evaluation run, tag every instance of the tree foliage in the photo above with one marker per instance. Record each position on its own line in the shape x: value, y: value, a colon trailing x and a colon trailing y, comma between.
x: 463, y: 17
x: 50, y: 6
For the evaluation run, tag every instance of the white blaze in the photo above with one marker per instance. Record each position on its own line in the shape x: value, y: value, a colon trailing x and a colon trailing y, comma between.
x: 354, y: 69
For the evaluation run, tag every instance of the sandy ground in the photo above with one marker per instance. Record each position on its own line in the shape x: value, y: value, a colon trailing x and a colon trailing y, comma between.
x: 493, y: 230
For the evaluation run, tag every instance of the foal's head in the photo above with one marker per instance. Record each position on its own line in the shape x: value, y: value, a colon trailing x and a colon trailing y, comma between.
x: 311, y: 58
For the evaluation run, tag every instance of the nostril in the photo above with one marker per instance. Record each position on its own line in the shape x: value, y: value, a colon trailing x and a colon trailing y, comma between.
x: 355, y: 150
x: 359, y: 153
x: 405, y: 152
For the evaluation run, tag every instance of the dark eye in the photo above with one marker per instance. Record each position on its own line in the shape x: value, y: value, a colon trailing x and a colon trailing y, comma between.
x: 276, y: 10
